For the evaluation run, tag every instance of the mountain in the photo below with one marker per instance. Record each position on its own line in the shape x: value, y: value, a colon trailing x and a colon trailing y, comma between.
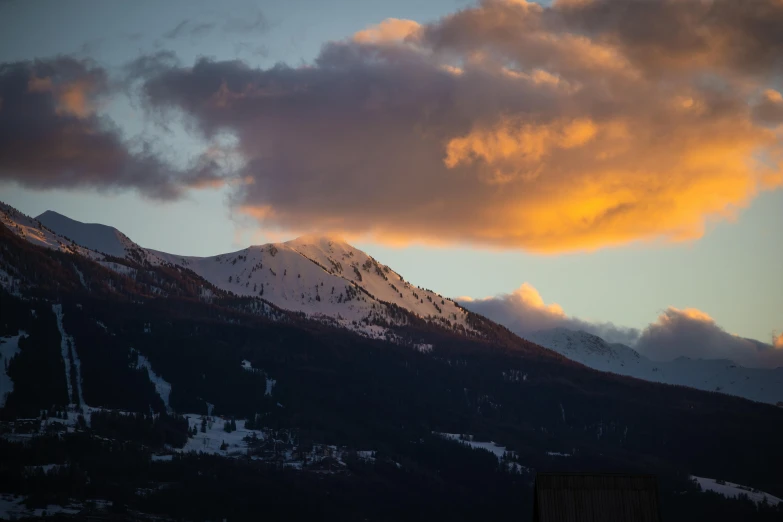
x: 34, y: 232
x: 321, y: 277
x: 137, y: 386
x: 328, y: 279
x: 94, y: 236
x: 763, y: 385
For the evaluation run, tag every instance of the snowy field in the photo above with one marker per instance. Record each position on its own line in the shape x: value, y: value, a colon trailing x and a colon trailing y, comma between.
x: 12, y: 507
x: 495, y: 449
x: 731, y: 490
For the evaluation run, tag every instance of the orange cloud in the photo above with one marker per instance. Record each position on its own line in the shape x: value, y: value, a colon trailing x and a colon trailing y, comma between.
x: 513, y: 148
x: 390, y: 30
x: 695, y: 314
x: 510, y: 125
x: 675, y: 333
x: 524, y: 311
x: 73, y: 97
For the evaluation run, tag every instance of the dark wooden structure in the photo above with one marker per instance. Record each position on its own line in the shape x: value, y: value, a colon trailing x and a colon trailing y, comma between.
x: 586, y: 497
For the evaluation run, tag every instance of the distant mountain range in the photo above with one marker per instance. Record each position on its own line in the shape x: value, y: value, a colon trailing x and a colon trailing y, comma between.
x: 719, y: 375
x: 327, y: 279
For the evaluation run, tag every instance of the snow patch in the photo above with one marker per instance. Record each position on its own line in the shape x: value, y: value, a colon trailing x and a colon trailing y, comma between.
x: 9, y: 348
x: 557, y: 454
x: 13, y: 507
x: 423, y: 348
x: 68, y: 349
x: 270, y: 383
x: 731, y: 490
x: 161, y: 385
x: 496, y: 449
x: 162, y: 458
x: 81, y: 276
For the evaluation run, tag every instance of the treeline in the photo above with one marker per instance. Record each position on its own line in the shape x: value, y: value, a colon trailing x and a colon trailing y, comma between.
x: 153, y: 431
x: 438, y: 480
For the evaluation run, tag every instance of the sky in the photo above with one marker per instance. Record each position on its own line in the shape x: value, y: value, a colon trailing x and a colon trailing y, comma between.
x: 586, y: 163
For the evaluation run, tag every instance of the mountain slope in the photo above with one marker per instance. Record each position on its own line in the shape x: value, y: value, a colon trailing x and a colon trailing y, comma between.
x: 323, y: 277
x: 329, y: 280
x: 320, y: 277
x: 763, y: 385
x: 34, y: 232
x: 94, y: 236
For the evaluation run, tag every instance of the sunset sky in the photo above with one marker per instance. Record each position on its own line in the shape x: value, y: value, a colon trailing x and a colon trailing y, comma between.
x: 623, y: 160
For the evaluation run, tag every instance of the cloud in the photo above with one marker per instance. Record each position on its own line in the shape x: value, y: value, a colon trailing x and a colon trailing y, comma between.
x: 676, y: 333
x: 524, y: 311
x: 52, y: 134
x: 390, y: 30
x: 251, y: 22
x: 693, y: 333
x: 176, y: 31
x: 508, y: 124
x: 769, y: 110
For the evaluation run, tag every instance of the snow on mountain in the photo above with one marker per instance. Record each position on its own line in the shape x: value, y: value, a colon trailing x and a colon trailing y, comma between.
x: 102, y: 238
x: 70, y: 360
x: 162, y: 387
x: 97, y: 237
x: 9, y: 348
x: 323, y: 277
x: 732, y: 490
x: 762, y: 385
x: 36, y: 233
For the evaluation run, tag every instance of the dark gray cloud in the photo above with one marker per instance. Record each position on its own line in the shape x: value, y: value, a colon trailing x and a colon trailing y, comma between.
x: 190, y: 29
x: 254, y: 22
x: 524, y: 311
x: 692, y: 333
x: 177, y: 31
x: 51, y: 135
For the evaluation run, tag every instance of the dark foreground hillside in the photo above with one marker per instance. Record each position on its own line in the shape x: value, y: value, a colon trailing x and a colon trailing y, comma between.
x: 338, y: 426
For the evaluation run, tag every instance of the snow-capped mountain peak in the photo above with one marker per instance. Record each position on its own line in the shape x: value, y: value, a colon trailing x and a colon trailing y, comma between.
x: 322, y: 277
x: 101, y: 238
x: 721, y: 375
x: 34, y: 231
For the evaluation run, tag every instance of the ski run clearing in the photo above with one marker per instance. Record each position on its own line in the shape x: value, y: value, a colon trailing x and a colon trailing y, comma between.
x: 270, y: 383
x: 9, y: 347
x: 70, y: 358
x: 161, y: 385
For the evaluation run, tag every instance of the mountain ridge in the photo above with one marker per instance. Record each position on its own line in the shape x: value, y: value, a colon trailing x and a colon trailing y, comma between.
x: 327, y: 279
x: 320, y: 276
x: 721, y: 375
